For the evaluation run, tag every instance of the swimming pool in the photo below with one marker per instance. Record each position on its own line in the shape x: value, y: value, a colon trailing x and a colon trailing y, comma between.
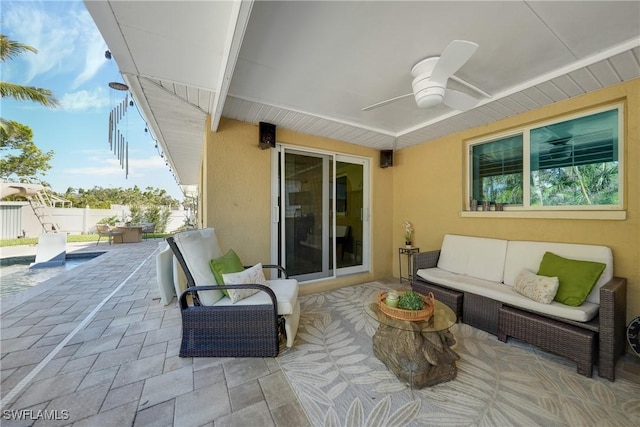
x: 16, y: 276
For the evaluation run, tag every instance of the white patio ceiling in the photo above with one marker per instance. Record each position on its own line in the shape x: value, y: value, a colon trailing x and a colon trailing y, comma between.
x: 312, y: 66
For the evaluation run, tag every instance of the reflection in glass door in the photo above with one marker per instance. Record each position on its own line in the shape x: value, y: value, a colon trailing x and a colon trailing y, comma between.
x: 306, y: 214
x: 321, y: 200
x: 349, y: 215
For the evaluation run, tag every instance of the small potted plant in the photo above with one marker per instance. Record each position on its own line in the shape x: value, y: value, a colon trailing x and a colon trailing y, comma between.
x: 408, y: 233
x: 501, y: 200
x: 411, y: 301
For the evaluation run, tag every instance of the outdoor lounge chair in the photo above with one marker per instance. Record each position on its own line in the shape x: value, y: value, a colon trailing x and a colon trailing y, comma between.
x: 213, y: 326
x: 104, y: 230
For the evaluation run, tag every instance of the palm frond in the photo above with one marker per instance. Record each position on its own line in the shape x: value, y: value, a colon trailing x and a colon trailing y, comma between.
x: 11, y: 48
x: 28, y: 93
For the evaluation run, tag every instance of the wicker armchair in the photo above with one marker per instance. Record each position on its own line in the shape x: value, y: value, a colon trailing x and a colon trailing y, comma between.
x: 249, y: 328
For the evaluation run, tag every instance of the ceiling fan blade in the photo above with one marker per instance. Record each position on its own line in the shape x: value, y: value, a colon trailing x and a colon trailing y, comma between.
x: 459, y: 100
x: 388, y: 101
x: 454, y: 56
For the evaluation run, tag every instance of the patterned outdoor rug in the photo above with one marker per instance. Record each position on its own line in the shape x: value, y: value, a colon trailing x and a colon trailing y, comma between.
x: 340, y: 382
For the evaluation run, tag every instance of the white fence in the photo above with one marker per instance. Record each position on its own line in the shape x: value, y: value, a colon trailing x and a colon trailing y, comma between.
x: 19, y: 220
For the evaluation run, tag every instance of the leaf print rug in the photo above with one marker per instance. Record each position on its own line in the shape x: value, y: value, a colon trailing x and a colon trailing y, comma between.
x: 340, y: 382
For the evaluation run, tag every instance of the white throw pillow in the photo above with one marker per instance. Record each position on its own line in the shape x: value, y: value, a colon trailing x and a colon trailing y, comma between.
x: 250, y: 276
x: 538, y: 288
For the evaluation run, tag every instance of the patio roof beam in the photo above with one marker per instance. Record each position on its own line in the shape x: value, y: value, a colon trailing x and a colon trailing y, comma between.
x: 237, y: 28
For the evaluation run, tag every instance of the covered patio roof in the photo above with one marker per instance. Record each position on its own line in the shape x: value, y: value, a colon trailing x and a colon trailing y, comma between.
x: 313, y: 66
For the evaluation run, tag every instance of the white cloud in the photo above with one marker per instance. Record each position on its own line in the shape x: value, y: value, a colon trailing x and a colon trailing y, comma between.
x: 108, y: 164
x: 93, y: 46
x: 64, y: 34
x: 85, y: 100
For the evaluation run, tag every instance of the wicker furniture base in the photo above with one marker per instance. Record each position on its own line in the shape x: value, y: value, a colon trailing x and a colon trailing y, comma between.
x: 246, y: 331
x: 453, y: 299
x: 481, y: 312
x: 574, y: 343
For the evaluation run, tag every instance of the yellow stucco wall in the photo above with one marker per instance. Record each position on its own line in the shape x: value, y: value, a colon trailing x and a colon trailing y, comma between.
x: 425, y: 186
x: 237, y: 175
x: 429, y: 191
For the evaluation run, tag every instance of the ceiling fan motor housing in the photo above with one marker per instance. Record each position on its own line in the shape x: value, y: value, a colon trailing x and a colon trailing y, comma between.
x: 427, y: 93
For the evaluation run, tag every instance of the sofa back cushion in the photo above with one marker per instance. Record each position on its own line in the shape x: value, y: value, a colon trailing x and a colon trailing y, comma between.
x: 523, y: 254
x: 478, y: 257
x: 198, y: 247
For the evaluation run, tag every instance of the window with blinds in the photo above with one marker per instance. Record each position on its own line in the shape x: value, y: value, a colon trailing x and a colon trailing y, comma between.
x: 497, y: 171
x: 570, y: 163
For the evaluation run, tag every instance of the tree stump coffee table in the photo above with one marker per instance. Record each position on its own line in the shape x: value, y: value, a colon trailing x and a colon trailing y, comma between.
x: 418, y: 353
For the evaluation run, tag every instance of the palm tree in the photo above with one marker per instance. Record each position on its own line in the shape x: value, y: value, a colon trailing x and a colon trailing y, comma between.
x: 8, y: 50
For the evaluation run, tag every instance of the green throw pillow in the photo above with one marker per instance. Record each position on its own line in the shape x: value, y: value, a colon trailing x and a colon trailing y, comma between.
x: 228, y: 263
x: 577, y: 278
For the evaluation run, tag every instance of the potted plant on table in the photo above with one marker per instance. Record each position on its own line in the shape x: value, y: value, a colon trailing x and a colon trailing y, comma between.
x: 408, y: 233
x: 411, y: 301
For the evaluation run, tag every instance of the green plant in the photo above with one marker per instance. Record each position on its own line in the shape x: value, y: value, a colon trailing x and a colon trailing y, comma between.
x: 136, y: 214
x: 111, y: 220
x: 411, y: 301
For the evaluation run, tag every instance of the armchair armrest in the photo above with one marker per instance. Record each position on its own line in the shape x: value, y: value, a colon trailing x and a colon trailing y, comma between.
x: 613, y: 308
x: 193, y: 291
x: 280, y: 268
x: 425, y: 260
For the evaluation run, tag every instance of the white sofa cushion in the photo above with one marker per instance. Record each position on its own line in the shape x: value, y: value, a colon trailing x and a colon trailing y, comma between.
x: 164, y: 273
x: 507, y: 295
x: 198, y: 247
x: 528, y: 255
x: 478, y: 257
x: 179, y: 278
x: 286, y: 291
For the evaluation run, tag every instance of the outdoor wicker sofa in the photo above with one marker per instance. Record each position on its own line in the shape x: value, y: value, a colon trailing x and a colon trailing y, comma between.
x: 475, y: 277
x: 215, y: 326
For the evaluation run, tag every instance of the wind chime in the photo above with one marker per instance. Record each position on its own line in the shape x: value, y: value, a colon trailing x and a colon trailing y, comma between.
x: 117, y: 140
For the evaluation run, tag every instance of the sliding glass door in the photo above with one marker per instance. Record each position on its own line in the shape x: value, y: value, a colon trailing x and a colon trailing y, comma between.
x: 350, y: 212
x: 320, y: 213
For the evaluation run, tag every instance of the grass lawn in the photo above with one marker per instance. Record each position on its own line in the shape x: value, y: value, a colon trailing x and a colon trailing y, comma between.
x: 71, y: 238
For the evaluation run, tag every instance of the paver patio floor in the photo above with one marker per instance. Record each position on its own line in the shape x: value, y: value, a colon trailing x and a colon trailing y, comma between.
x: 95, y: 346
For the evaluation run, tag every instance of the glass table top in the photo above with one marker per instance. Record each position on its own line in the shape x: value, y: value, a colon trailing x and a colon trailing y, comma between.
x: 443, y: 317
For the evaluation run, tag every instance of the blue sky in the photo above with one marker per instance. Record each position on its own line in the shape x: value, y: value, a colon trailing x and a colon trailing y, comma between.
x: 71, y: 62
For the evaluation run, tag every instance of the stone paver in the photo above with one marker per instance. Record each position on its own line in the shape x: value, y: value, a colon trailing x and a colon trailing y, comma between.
x: 121, y: 365
x: 202, y: 406
x: 245, y: 395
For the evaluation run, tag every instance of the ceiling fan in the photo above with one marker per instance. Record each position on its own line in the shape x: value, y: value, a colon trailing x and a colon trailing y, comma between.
x: 430, y: 78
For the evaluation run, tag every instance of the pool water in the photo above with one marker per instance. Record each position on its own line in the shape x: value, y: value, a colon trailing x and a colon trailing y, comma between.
x: 16, y: 276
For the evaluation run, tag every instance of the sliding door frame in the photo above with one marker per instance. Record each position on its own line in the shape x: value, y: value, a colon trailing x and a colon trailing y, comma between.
x: 278, y: 214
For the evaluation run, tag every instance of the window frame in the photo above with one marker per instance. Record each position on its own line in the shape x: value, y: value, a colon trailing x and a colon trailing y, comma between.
x: 525, y: 131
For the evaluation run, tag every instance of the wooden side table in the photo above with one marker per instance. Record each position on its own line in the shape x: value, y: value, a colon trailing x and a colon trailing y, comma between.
x: 409, y: 253
x: 418, y: 353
